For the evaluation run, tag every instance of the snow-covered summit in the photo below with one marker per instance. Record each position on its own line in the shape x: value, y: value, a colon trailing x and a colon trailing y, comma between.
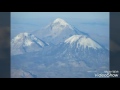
x: 60, y: 21
x: 82, y: 40
x: 60, y: 24
x: 19, y: 36
x: 25, y: 42
x: 56, y: 32
x: 27, y: 39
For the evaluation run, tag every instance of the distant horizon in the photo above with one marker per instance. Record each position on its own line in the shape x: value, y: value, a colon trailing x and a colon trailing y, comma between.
x: 101, y: 17
x: 85, y: 15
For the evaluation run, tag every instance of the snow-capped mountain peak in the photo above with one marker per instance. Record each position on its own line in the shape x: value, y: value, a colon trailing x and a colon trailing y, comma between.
x: 26, y: 34
x: 60, y: 21
x: 56, y: 32
x: 25, y: 42
x: 82, y: 41
x: 19, y: 36
x: 60, y: 24
x: 27, y: 38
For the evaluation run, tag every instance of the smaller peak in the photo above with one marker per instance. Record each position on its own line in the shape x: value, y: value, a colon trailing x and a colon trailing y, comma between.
x: 73, y: 38
x: 21, y: 35
x: 82, y: 40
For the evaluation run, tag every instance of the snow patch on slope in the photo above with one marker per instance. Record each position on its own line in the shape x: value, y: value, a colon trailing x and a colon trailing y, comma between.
x: 27, y: 39
x: 28, y: 42
x: 25, y: 42
x: 82, y: 40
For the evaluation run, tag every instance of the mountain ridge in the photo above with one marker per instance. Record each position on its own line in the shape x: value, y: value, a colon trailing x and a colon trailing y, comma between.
x: 57, y: 31
x: 26, y: 42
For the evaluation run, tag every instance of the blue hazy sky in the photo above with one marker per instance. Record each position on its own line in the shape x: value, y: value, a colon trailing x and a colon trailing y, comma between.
x: 82, y: 15
x: 71, y: 17
x: 43, y: 18
x: 98, y: 22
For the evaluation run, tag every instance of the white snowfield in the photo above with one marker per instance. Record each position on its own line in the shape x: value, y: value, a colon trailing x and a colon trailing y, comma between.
x: 61, y: 21
x: 26, y: 39
x: 82, y: 40
x: 58, y: 26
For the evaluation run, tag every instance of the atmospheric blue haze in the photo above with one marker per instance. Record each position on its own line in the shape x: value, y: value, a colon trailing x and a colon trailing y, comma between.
x: 59, y: 44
